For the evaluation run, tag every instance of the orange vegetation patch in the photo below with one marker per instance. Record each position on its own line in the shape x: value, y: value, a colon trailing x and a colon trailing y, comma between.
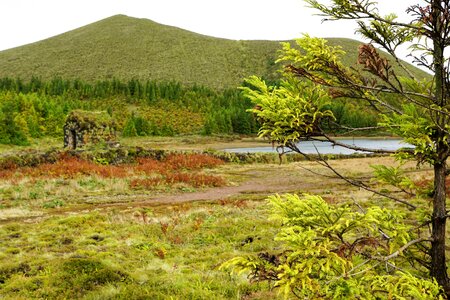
x: 427, y: 185
x: 167, y: 171
x: 170, y: 171
x: 67, y: 167
x: 192, y: 161
x: 149, y: 166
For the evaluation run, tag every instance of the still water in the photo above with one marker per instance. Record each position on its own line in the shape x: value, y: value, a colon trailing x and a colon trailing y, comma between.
x: 311, y: 147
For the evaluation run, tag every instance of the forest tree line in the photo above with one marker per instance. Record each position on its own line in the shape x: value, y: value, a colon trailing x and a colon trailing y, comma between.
x: 36, y: 108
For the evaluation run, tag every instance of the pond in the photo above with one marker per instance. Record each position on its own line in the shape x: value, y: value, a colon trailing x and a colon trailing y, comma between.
x: 311, y: 147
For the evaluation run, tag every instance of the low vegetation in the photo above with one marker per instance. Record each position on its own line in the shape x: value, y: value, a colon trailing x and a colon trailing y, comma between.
x: 143, y: 253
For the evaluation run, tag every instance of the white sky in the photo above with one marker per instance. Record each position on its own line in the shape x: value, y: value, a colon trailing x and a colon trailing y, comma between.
x: 27, y: 21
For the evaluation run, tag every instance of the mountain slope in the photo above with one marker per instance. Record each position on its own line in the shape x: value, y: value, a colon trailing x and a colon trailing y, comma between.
x: 125, y: 48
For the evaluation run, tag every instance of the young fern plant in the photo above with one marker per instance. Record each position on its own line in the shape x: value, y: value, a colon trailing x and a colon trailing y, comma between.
x: 338, y: 252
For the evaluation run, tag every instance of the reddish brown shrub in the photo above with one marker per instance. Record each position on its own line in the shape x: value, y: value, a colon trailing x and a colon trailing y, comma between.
x: 176, y: 240
x: 149, y: 166
x: 164, y: 227
x: 8, y: 165
x: 192, y: 161
x: 160, y: 252
x: 71, y: 167
x: 236, y: 203
x: 68, y: 166
x: 427, y: 184
x: 4, y: 174
x: 197, y: 223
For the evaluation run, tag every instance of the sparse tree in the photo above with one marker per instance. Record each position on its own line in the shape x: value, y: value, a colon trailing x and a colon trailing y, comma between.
x: 416, y: 109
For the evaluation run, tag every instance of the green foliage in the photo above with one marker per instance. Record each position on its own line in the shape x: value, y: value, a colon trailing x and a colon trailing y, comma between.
x: 53, y: 203
x: 350, y: 115
x: 91, y: 119
x: 314, y: 54
x: 290, y: 112
x: 129, y: 129
x: 393, y: 176
x: 415, y: 110
x: 334, y: 252
x: 416, y: 128
x: 412, y: 109
x: 384, y: 33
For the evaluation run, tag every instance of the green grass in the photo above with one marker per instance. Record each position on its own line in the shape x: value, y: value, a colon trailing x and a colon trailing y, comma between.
x: 125, y: 48
x: 170, y: 252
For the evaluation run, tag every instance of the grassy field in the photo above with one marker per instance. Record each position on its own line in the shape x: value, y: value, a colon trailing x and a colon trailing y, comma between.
x: 170, y: 252
x: 152, y: 229
x: 126, y: 48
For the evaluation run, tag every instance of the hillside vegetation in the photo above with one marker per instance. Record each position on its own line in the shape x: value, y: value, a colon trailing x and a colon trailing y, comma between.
x: 127, y: 48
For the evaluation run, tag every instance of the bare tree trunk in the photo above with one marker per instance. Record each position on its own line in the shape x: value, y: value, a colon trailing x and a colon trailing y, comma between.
x: 438, y: 262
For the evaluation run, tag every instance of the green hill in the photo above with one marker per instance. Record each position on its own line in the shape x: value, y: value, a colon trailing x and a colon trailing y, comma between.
x: 125, y: 48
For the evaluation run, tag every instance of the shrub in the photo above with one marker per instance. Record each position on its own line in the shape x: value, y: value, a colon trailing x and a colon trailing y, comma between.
x: 192, y: 161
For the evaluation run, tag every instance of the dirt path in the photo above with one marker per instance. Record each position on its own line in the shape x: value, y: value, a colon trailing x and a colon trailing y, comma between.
x: 262, y: 185
x: 262, y: 181
x: 252, y: 182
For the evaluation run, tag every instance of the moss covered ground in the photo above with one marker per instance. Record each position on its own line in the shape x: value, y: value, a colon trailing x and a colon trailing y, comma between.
x: 170, y: 252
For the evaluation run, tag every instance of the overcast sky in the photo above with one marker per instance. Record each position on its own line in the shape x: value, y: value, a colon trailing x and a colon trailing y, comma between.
x: 27, y: 21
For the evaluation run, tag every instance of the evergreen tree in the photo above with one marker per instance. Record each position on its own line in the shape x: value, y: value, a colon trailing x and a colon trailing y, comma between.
x: 129, y: 129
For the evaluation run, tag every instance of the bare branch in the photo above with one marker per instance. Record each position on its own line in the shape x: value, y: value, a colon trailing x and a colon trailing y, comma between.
x: 350, y: 130
x: 357, y: 148
x: 358, y: 11
x: 364, y: 186
x: 356, y: 183
x: 401, y: 249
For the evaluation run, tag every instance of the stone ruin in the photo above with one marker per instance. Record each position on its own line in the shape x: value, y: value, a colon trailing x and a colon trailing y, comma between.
x: 88, y: 127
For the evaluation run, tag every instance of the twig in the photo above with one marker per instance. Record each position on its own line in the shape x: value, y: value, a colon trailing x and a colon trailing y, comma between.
x: 356, y: 148
x: 362, y: 185
x: 401, y: 249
